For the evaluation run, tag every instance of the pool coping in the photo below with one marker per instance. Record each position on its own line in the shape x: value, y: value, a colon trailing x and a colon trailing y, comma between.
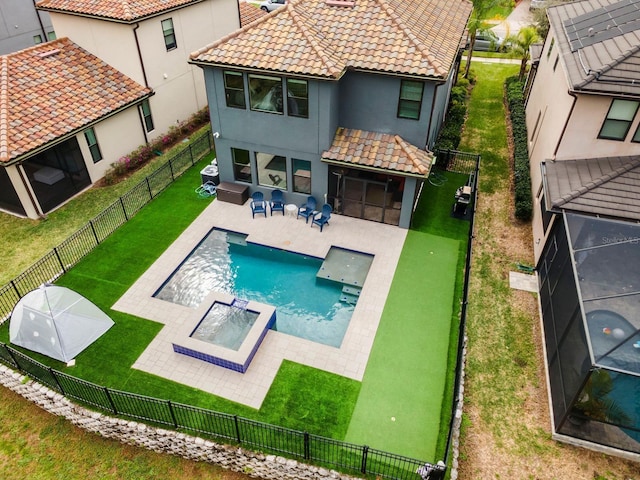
x: 383, y: 241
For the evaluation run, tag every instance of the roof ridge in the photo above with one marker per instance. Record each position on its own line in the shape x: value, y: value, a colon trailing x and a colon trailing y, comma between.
x: 405, y: 147
x: 300, y: 24
x: 412, y: 37
x: 602, y: 179
x: 593, y: 75
x: 4, y: 115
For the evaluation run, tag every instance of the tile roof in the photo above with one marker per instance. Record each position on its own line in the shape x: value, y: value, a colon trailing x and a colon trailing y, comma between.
x: 311, y: 37
x: 118, y: 10
x: 380, y: 151
x: 598, y: 186
x: 249, y: 13
x: 53, y: 89
x: 599, y: 44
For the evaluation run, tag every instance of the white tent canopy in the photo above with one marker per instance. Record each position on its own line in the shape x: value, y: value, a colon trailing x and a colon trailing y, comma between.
x: 56, y: 322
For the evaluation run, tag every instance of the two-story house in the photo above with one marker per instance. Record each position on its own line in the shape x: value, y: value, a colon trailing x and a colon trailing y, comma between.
x: 22, y: 26
x: 63, y: 112
x: 339, y: 99
x: 584, y: 145
x: 149, y: 42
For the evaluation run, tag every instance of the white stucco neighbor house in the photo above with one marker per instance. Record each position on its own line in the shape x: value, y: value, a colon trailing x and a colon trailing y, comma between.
x: 150, y: 42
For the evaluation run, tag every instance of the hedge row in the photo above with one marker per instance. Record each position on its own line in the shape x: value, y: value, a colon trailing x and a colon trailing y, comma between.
x: 522, y: 177
x: 449, y: 137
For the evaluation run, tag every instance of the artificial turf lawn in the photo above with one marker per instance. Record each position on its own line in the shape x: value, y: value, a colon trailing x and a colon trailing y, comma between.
x: 398, y: 409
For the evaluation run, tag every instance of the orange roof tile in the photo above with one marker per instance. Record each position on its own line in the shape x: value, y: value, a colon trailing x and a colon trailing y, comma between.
x: 54, y: 88
x: 249, y: 13
x: 122, y: 10
x: 380, y: 151
x: 311, y: 37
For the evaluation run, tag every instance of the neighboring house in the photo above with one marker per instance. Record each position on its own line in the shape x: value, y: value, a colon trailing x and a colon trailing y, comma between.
x: 584, y: 145
x: 150, y: 42
x: 584, y: 99
x: 249, y: 13
x: 63, y: 112
x: 337, y: 99
x: 22, y: 26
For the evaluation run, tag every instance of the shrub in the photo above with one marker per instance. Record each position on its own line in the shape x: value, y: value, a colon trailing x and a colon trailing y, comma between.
x: 521, y: 168
x: 450, y: 134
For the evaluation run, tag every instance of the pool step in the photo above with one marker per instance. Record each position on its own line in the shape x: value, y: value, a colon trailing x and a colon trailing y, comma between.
x: 350, y: 294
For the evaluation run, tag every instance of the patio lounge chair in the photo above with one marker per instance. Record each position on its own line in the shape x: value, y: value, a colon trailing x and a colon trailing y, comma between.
x: 206, y: 190
x: 258, y: 205
x: 275, y: 179
x: 307, y: 209
x: 323, y: 217
x: 277, y: 201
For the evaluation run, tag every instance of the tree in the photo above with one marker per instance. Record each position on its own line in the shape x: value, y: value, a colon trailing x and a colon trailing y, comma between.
x: 520, y: 45
x: 476, y: 22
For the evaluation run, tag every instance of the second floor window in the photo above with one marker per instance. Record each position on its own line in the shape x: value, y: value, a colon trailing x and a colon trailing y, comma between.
x: 145, y: 110
x: 297, y: 98
x: 169, y: 34
x: 410, y: 99
x: 37, y: 39
x: 92, y: 143
x: 265, y: 93
x: 51, y: 36
x: 619, y: 119
x: 234, y: 89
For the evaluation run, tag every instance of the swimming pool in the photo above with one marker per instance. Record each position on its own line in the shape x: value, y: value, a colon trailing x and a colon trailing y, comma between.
x: 307, y: 305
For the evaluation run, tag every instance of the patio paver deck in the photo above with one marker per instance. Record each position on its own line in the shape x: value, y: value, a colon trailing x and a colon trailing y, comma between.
x: 285, y: 232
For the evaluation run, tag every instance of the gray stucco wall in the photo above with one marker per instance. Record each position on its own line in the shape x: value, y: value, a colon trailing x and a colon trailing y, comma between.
x: 443, y: 92
x: 19, y: 24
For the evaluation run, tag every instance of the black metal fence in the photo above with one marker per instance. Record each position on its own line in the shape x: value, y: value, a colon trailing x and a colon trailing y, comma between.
x: 330, y: 453
x: 73, y: 249
x: 456, y: 161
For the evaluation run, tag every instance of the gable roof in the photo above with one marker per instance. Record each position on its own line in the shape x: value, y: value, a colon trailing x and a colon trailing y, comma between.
x: 599, y: 44
x: 321, y: 39
x: 53, y: 89
x: 598, y: 186
x: 249, y: 13
x: 127, y: 11
x: 378, y: 151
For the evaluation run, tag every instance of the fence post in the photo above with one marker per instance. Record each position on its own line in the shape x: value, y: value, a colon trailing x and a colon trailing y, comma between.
x: 307, y: 452
x: 173, y: 416
x: 55, y: 250
x: 191, y: 155
x: 365, y: 453
x: 124, y: 210
x: 13, y: 359
x: 170, y: 162
x: 113, y: 405
x: 16, y: 289
x: 53, y: 374
x: 93, y: 228
x: 149, y: 188
x: 235, y: 421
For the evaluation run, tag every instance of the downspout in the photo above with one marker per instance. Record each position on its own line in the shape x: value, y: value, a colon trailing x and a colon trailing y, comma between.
x: 144, y: 73
x: 44, y: 33
x: 564, y: 128
x: 146, y: 82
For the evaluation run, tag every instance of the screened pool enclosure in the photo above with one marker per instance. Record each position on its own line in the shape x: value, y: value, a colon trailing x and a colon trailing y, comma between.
x: 589, y: 276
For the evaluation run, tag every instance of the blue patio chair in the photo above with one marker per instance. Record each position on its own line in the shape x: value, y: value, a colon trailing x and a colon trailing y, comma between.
x: 323, y: 217
x: 277, y: 201
x: 258, y: 205
x: 307, y: 209
x: 206, y: 190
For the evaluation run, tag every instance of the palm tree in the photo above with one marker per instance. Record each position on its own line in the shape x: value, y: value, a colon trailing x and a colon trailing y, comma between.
x: 476, y: 22
x: 520, y: 45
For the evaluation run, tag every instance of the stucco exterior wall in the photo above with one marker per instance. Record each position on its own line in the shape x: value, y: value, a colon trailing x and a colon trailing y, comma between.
x: 117, y: 136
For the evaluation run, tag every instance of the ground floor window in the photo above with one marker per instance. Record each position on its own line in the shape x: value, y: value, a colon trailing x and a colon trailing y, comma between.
x: 272, y: 170
x: 241, y: 165
x: 302, y: 176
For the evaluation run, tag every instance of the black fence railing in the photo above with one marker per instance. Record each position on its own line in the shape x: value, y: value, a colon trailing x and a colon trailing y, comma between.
x: 56, y: 262
x: 327, y: 452
x: 456, y: 161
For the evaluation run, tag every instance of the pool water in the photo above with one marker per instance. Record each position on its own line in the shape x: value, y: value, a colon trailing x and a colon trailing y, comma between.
x: 306, y: 306
x: 225, y: 325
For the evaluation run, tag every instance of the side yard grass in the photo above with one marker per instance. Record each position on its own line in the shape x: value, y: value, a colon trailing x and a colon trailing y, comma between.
x: 507, y: 431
